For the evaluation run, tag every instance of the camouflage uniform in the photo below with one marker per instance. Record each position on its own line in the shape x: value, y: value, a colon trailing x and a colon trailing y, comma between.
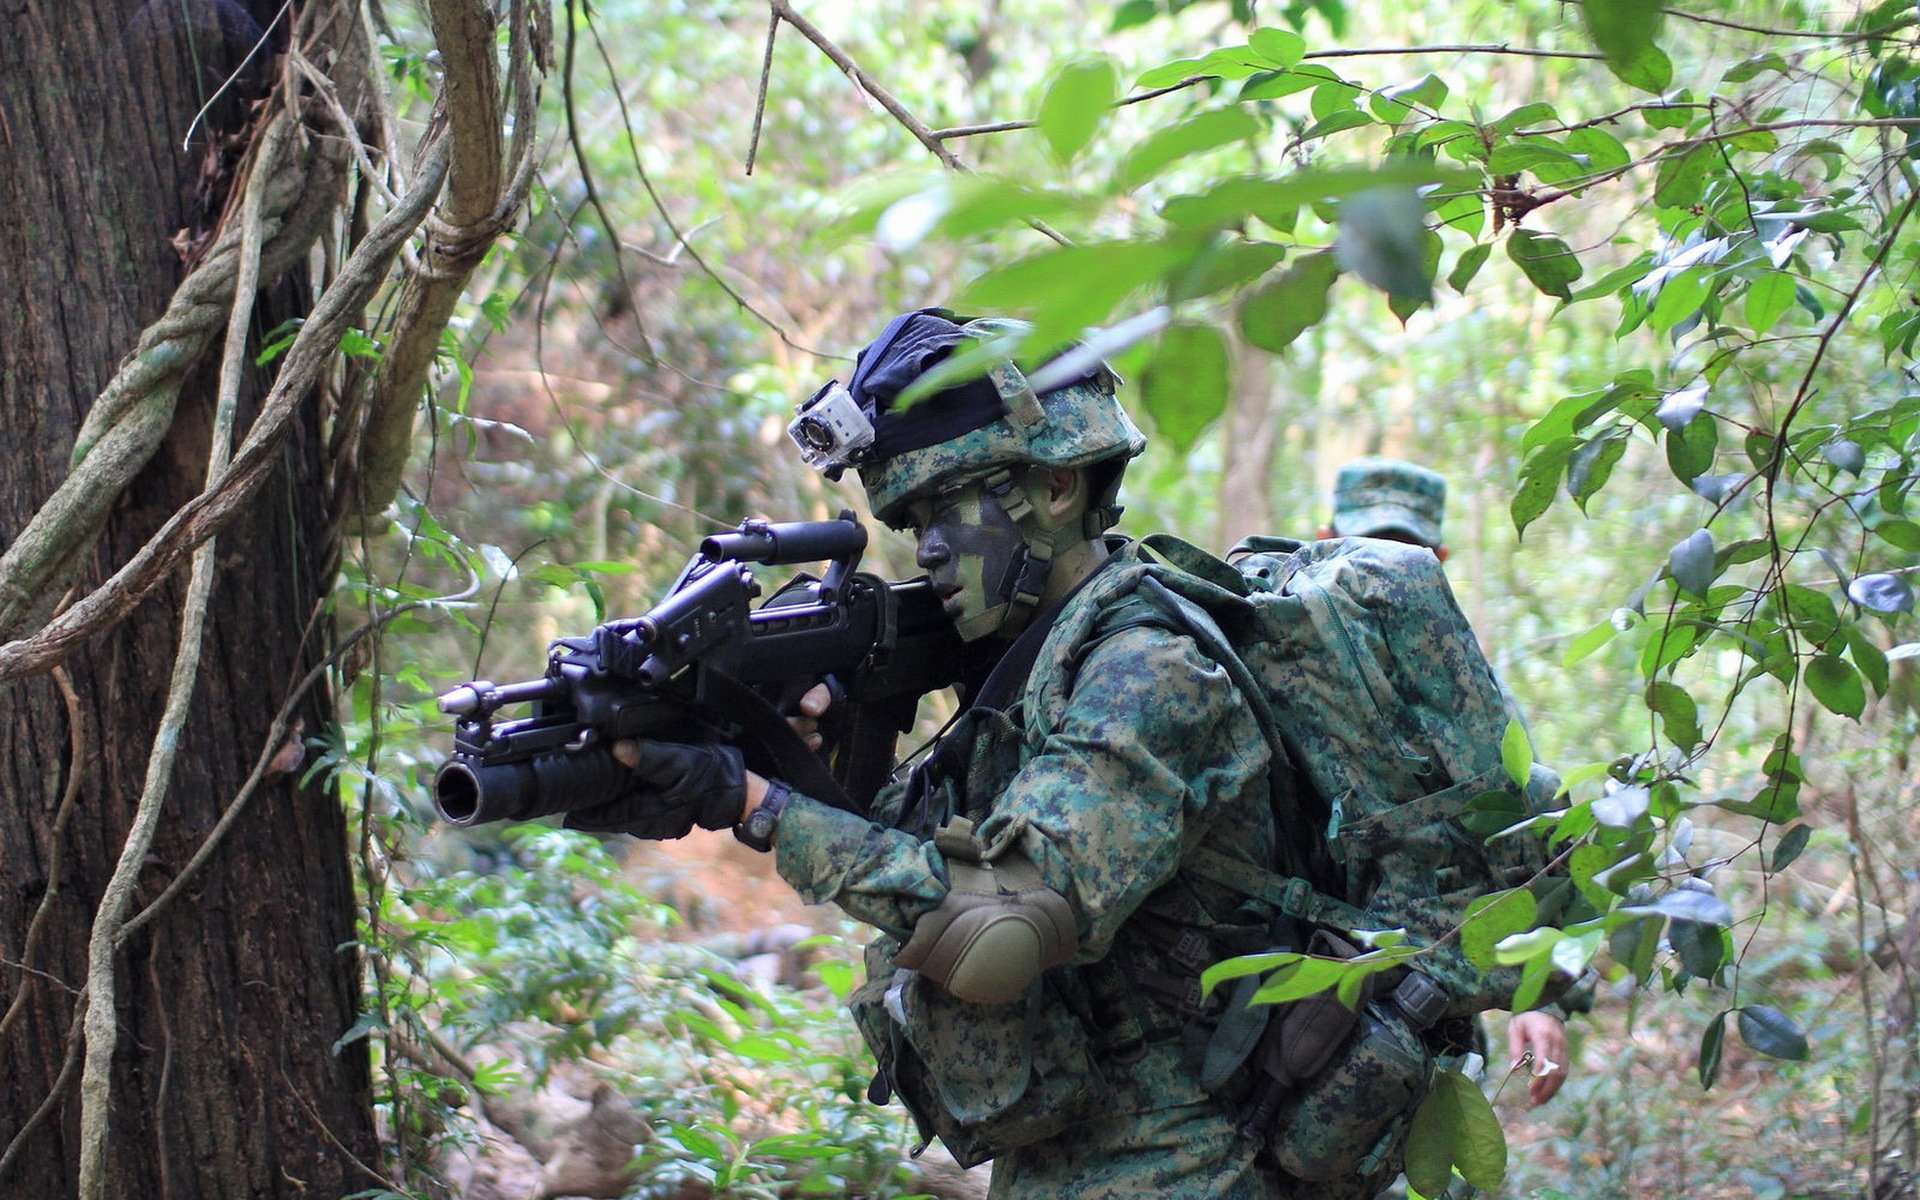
x: 1126, y: 750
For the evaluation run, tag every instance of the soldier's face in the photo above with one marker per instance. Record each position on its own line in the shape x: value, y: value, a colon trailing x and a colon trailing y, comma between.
x: 967, y: 545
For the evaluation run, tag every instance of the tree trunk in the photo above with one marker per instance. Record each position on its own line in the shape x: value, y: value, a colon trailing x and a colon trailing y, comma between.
x: 226, y: 1082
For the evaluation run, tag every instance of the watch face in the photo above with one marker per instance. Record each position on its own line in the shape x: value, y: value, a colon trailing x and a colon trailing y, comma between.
x: 760, y: 823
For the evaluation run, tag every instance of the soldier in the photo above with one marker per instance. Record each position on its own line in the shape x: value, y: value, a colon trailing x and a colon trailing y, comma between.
x: 1034, y: 995
x: 1403, y: 502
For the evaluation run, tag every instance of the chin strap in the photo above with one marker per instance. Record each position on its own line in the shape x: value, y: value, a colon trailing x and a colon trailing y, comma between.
x: 1025, y: 583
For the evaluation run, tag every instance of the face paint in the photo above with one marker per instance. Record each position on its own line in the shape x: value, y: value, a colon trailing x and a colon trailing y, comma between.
x: 968, y: 545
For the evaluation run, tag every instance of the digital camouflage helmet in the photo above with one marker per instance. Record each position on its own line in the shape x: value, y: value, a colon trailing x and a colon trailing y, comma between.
x: 967, y: 431
x: 987, y: 429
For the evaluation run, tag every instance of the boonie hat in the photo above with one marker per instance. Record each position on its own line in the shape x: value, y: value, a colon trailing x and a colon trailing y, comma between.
x: 1376, y: 495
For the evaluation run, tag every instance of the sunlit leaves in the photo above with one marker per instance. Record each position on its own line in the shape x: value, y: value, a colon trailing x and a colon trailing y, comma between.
x: 1208, y: 130
x: 1881, y: 593
x: 1768, y: 298
x: 1489, y: 919
x: 1266, y: 50
x: 1075, y: 103
x: 1277, y: 200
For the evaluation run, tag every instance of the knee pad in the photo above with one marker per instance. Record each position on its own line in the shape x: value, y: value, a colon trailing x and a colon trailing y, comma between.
x: 999, y: 927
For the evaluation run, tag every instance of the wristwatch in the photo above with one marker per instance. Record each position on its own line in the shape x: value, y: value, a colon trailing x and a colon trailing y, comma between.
x: 756, y: 831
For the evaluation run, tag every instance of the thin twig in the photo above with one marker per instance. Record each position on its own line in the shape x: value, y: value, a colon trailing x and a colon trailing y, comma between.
x: 760, y: 101
x: 885, y: 99
x: 78, y: 759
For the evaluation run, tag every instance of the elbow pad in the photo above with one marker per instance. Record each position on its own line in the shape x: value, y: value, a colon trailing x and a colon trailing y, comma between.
x: 999, y: 927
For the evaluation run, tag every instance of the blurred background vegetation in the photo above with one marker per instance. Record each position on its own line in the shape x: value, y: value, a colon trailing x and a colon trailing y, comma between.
x: 1717, y: 255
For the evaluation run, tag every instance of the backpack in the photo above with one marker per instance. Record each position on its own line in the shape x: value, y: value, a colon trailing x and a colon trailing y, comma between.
x: 1386, y: 727
x: 1378, y: 698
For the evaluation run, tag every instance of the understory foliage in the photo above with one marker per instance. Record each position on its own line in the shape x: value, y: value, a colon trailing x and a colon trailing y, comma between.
x: 1641, y: 281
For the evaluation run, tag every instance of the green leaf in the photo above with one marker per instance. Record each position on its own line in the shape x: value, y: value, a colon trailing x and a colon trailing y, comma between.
x: 1769, y: 1031
x: 1546, y: 260
x: 1455, y: 1129
x: 1788, y: 848
x: 1491, y: 918
x: 1691, y: 563
x: 1471, y: 260
x: 1624, y: 31
x: 1278, y: 49
x: 1278, y: 312
x: 1681, y: 181
x: 1897, y: 531
x: 1702, y: 948
x: 1516, y: 753
x: 1868, y: 657
x: 1586, y: 643
x: 1163, y: 147
x: 1590, y: 466
x: 1221, y: 266
x: 1601, y: 149
x: 1075, y: 103
x: 1277, y: 200
x: 1712, y: 1044
x: 1836, y: 685
x: 1678, y: 713
x: 1184, y: 387
x: 1383, y: 240
x: 1539, y: 481
x: 1466, y: 212
x: 1680, y: 298
x: 1691, y: 449
x: 1338, y: 121
x: 1395, y: 104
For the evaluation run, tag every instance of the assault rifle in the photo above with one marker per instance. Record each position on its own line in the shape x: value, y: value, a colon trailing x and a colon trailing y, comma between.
x: 706, y: 665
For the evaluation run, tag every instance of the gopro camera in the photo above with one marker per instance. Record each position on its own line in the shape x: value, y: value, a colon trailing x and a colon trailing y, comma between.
x: 831, y: 431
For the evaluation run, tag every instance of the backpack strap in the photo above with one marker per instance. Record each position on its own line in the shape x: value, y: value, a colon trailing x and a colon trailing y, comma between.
x: 1290, y: 832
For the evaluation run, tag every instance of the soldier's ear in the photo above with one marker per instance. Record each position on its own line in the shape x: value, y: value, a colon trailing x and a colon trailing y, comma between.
x: 1440, y: 552
x: 1065, y: 491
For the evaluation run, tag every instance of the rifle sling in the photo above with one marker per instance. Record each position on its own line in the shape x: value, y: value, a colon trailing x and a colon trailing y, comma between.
x: 783, y: 754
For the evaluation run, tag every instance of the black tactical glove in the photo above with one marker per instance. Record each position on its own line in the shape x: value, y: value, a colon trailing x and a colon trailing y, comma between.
x: 675, y: 787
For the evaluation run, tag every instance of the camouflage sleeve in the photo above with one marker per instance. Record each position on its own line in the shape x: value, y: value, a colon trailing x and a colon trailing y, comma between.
x: 1151, y: 748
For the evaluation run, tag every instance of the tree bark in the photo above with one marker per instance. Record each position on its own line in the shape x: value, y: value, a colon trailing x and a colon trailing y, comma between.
x: 227, y: 1081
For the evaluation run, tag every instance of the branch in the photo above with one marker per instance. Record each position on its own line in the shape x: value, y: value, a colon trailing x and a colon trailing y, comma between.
x: 783, y: 9
x: 480, y: 206
x: 130, y: 418
x: 102, y: 1022
x: 204, y: 515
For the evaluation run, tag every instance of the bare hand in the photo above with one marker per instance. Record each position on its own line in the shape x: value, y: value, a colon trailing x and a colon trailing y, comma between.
x: 812, y: 707
x: 1539, y: 1040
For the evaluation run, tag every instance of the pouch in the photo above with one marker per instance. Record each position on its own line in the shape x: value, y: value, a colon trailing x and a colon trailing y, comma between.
x: 984, y: 1078
x: 1348, y: 1119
